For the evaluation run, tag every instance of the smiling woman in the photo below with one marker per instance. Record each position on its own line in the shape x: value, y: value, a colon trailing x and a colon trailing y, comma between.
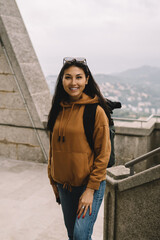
x: 77, y: 173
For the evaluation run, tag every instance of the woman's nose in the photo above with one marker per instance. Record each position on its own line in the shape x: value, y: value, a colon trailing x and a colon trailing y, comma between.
x: 73, y: 81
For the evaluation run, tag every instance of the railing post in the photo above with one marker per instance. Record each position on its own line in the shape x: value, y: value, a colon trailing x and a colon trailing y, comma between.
x: 132, y: 170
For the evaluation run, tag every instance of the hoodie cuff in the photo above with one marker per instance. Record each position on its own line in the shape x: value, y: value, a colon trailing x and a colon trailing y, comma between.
x: 93, y: 185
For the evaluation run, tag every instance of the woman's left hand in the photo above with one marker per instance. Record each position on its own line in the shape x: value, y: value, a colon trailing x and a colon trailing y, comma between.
x: 85, y: 202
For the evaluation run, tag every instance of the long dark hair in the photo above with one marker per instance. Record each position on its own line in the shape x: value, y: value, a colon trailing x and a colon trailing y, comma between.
x: 91, y: 89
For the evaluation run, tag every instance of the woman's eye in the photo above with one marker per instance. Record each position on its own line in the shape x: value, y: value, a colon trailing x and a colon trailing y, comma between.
x: 79, y: 77
x: 67, y: 77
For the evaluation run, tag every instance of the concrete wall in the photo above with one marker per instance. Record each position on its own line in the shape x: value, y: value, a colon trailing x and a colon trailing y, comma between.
x: 132, y: 205
x: 18, y: 139
x: 155, y: 143
x: 24, y: 94
x: 134, y: 139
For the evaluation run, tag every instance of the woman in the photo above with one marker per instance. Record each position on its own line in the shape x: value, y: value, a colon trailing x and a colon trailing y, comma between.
x: 77, y: 173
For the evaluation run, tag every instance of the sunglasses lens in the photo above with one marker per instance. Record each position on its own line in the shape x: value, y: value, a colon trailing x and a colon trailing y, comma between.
x: 70, y: 59
x: 80, y: 59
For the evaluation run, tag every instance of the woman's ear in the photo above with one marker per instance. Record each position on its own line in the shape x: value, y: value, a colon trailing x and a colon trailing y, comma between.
x: 87, y: 80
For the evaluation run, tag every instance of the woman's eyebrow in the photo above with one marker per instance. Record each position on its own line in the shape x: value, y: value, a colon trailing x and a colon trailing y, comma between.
x: 71, y: 74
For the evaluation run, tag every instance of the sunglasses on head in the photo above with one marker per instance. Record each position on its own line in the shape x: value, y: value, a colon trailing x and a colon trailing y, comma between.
x: 78, y: 59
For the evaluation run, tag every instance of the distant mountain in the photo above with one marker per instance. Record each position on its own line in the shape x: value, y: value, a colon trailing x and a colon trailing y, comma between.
x: 137, y: 89
x: 139, y: 75
x: 102, y: 78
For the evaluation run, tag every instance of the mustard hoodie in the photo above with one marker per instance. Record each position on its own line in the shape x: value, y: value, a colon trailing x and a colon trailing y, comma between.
x: 71, y: 161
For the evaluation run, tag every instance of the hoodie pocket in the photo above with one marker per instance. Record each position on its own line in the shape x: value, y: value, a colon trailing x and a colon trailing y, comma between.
x: 70, y: 167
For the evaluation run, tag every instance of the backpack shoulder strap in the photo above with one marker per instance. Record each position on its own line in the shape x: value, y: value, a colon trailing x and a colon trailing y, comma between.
x: 88, y: 122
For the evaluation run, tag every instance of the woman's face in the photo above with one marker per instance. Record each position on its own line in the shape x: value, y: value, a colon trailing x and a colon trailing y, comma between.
x: 74, y: 81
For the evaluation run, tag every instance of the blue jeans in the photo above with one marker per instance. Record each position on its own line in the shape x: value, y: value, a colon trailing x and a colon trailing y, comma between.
x: 82, y: 228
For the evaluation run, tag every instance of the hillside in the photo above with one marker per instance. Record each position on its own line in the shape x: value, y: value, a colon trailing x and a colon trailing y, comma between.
x: 137, y: 89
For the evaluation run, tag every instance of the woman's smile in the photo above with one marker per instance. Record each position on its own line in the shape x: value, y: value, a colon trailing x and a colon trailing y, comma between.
x: 73, y: 89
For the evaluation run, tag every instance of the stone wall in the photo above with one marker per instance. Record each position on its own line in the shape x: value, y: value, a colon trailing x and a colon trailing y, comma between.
x: 131, y: 205
x: 24, y: 94
x: 18, y: 139
x: 134, y: 139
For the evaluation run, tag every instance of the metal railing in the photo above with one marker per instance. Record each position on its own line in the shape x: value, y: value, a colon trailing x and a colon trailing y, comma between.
x: 131, y: 163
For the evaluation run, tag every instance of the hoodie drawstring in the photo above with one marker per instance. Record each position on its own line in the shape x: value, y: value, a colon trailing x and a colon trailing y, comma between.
x: 59, y: 137
x: 60, y: 124
x: 64, y: 129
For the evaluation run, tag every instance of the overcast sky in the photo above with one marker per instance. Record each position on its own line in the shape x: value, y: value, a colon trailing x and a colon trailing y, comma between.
x: 113, y: 35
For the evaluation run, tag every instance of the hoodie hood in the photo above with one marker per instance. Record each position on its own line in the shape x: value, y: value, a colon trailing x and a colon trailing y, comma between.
x: 85, y: 99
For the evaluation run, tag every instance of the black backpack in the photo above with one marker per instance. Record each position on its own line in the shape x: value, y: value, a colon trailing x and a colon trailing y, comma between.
x: 89, y: 120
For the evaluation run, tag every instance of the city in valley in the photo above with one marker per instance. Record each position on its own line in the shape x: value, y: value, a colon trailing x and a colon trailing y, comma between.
x: 137, y: 90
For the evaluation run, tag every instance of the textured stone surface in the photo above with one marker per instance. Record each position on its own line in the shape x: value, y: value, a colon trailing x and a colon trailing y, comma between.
x: 34, y: 77
x: 154, y: 143
x: 27, y: 205
x: 21, y: 43
x: 23, y: 58
x: 40, y: 103
x: 132, y: 205
x: 8, y: 150
x: 4, y: 67
x: 24, y: 94
x: 137, y: 213
x: 12, y: 22
x: 23, y: 143
x: 130, y: 147
x: 11, y: 100
x: 118, y: 172
x: 141, y: 178
x: 44, y: 139
x: 21, y: 151
x: 109, y: 212
x: 9, y: 8
x: 22, y: 46
x: 134, y: 139
x: 14, y: 116
x: 18, y: 135
x: 29, y: 153
x: 7, y: 83
x: 33, y: 112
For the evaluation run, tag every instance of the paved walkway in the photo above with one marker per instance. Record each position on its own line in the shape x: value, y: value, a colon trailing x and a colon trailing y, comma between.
x: 28, y: 210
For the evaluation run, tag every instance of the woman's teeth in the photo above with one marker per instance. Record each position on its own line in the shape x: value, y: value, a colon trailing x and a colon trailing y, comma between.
x: 73, y: 88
